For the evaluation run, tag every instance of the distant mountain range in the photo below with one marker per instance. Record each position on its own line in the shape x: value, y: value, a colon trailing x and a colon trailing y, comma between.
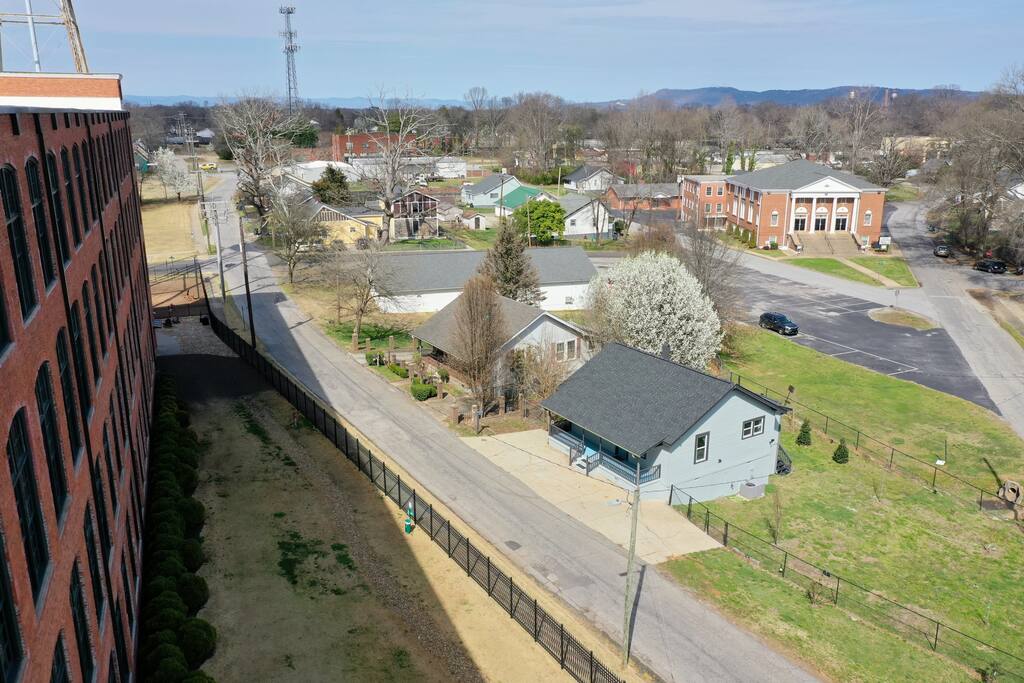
x: 711, y: 97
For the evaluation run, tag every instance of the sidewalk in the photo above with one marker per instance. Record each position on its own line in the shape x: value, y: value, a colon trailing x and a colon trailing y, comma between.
x: 662, y: 533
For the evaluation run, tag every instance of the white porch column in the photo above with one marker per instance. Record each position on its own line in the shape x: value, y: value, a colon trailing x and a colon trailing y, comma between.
x: 832, y: 217
x: 792, y: 214
x: 814, y: 213
x: 854, y: 217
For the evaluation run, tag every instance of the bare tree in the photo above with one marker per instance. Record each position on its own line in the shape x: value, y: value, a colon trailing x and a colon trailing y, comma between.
x: 257, y: 130
x: 361, y: 281
x: 714, y: 265
x: 858, y: 117
x: 812, y: 131
x: 295, y: 223
x: 402, y: 132
x: 479, y: 331
x: 891, y: 163
x: 537, y: 119
x: 538, y: 372
x: 658, y: 238
x: 478, y: 100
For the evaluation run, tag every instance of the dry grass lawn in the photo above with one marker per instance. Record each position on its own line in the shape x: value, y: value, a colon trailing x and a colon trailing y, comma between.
x: 898, y: 316
x: 1006, y: 308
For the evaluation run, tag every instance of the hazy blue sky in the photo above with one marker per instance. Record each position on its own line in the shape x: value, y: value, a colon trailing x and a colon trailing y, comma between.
x: 579, y: 49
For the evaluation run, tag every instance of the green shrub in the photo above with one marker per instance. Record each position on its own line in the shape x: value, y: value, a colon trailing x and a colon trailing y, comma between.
x: 198, y: 641
x: 398, y: 370
x: 443, y: 374
x: 169, y: 670
x: 194, y: 515
x: 842, y: 453
x: 192, y: 555
x: 752, y: 241
x: 170, y: 567
x: 155, y: 640
x: 189, y: 479
x: 374, y: 358
x: 421, y: 392
x: 199, y: 677
x: 163, y: 652
x: 804, y: 437
x: 167, y: 618
x: 167, y: 599
x: 193, y: 591
x: 156, y: 585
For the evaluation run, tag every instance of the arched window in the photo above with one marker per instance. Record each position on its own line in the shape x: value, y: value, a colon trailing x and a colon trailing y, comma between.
x: 90, y: 333
x: 801, y: 210
x: 78, y: 355
x: 867, y: 218
x: 57, y: 208
x: 775, y: 218
x: 35, y: 199
x: 67, y: 390
x: 26, y: 497
x: 76, y: 158
x: 51, y: 439
x: 19, y: 243
x: 100, y: 324
x: 69, y: 194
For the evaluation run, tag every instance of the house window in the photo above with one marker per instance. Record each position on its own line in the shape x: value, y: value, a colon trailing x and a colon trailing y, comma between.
x: 19, y: 244
x: 51, y: 439
x: 494, y: 195
x: 800, y: 224
x: 560, y: 351
x: 840, y: 223
x: 701, y: 443
x: 718, y: 208
x: 707, y: 208
x: 93, y: 349
x: 572, y: 222
x: 820, y: 223
x: 867, y: 219
x: 26, y: 495
x: 57, y: 208
x: 719, y: 191
x: 85, y: 658
x: 775, y: 218
x: 707, y: 190
x: 70, y: 194
x: 570, y: 350
x: 569, y: 301
x: 78, y: 354
x: 754, y: 427
x: 5, y: 332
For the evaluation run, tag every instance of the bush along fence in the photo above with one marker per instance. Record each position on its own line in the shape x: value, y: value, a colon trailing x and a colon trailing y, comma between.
x: 551, y: 635
x: 823, y: 587
x: 175, y: 643
x: 929, y: 474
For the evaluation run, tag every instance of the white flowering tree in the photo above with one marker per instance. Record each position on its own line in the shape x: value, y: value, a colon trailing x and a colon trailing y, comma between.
x: 652, y: 300
x: 171, y: 172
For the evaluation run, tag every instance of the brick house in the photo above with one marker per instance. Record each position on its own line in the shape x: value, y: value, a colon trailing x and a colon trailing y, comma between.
x: 643, y: 196
x: 704, y: 200
x: 802, y: 201
x: 77, y: 374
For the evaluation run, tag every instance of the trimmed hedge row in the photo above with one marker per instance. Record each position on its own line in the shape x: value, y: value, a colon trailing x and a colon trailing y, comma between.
x: 175, y: 643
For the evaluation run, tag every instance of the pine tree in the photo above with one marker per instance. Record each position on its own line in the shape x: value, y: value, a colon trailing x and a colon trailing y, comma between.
x: 729, y: 160
x: 842, y: 453
x: 804, y: 437
x: 510, y: 267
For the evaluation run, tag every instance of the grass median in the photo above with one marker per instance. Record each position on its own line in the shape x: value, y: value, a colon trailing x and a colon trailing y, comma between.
x: 892, y: 267
x: 835, y: 268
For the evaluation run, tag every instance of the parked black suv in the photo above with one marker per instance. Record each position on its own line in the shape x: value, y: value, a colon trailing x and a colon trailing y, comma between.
x: 991, y: 265
x: 778, y: 322
x: 942, y: 251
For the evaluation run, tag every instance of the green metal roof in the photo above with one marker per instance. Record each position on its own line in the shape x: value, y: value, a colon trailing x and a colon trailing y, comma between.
x: 518, y: 197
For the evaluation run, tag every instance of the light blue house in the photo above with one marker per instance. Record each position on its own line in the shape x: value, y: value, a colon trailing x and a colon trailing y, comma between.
x: 490, y: 190
x: 628, y: 413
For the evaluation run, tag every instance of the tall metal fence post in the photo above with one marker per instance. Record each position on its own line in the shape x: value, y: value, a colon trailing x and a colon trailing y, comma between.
x: 785, y: 561
x: 936, y: 636
x: 488, y: 575
x: 511, y: 594
x: 449, y: 524
x: 689, y: 508
x: 384, y: 481
x: 707, y: 519
x: 836, y: 601
x: 370, y: 459
x: 468, y: 571
x: 415, y: 509
x: 431, y: 527
x: 856, y: 444
x: 535, y: 631
x: 826, y: 424
x: 561, y: 645
x: 591, y: 666
x: 892, y: 455
x: 725, y: 537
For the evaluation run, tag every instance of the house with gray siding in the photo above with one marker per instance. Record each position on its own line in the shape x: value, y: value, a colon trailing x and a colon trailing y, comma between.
x: 628, y: 412
x: 489, y: 191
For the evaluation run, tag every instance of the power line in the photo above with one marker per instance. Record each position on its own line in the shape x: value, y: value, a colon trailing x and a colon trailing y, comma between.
x: 290, y: 48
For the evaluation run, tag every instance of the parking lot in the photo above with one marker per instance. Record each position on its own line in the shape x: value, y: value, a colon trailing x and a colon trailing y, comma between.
x: 840, y: 326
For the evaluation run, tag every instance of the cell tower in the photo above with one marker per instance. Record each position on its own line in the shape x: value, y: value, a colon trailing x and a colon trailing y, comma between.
x: 290, y: 48
x: 65, y: 17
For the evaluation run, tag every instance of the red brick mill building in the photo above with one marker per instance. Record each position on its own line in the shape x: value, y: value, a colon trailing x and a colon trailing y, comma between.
x: 76, y: 380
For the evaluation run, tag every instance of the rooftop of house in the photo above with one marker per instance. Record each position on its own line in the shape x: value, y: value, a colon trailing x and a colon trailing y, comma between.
x: 440, y: 330
x: 518, y: 197
x: 706, y: 177
x: 665, y: 399
x: 489, y: 184
x: 573, y: 202
x: 645, y: 190
x: 796, y: 174
x: 417, y: 272
x: 583, y: 172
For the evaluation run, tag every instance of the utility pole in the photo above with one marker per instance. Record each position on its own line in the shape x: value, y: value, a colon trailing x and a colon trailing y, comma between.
x: 65, y: 17
x: 212, y: 212
x: 290, y: 48
x: 630, y: 563
x: 248, y: 293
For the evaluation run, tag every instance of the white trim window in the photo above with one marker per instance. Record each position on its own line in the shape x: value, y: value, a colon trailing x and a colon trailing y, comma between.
x: 753, y: 427
x: 560, y: 351
x: 719, y: 193
x: 701, y: 446
x: 707, y: 208
x: 707, y: 190
x: 867, y: 219
x: 775, y: 218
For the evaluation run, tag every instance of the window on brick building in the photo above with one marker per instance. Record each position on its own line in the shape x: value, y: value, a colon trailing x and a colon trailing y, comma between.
x: 90, y: 334
x: 18, y: 241
x: 26, y: 497
x: 99, y: 311
x: 108, y: 460
x: 35, y: 199
x: 57, y: 209
x: 707, y: 190
x: 10, y: 635
x: 59, y: 666
x: 51, y: 439
x: 5, y: 330
x: 83, y: 196
x: 775, y: 218
x: 95, y: 569
x: 720, y: 189
x: 69, y: 195
x: 867, y: 219
x: 68, y: 392
x: 78, y: 354
x: 85, y: 656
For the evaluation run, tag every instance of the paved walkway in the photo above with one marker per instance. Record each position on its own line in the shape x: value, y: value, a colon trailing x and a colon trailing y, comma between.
x: 662, y: 533
x: 676, y: 635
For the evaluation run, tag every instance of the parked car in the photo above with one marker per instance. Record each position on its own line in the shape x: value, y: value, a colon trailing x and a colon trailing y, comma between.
x: 991, y: 265
x: 942, y: 251
x: 778, y: 322
x: 208, y: 166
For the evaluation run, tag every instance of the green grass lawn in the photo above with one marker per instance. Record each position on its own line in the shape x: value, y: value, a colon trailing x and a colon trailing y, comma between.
x: 378, y: 335
x: 934, y: 552
x: 822, y: 635
x: 902, y: 193
x: 892, y: 267
x: 429, y: 243
x: 475, y: 239
x: 831, y: 266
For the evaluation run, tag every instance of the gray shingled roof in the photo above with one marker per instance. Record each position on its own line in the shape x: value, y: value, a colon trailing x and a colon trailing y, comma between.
x: 439, y: 330
x: 646, y: 190
x: 583, y: 172
x: 573, y: 202
x: 637, y: 400
x: 489, y: 183
x: 417, y: 272
x: 796, y: 174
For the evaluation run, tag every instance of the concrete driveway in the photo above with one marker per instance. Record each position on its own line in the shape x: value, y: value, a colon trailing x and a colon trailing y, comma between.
x: 662, y: 533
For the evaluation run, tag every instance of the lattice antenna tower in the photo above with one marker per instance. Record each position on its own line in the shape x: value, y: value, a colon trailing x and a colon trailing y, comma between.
x: 290, y: 48
x: 65, y: 17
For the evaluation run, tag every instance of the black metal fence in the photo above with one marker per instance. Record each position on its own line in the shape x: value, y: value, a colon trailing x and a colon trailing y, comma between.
x: 546, y: 631
x: 927, y: 473
x: 824, y: 587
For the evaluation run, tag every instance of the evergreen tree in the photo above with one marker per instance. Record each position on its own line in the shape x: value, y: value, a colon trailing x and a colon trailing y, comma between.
x: 332, y: 187
x: 804, y: 437
x: 842, y: 453
x: 729, y: 160
x: 510, y: 267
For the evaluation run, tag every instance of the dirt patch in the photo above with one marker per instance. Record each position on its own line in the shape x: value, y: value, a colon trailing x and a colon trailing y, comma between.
x: 903, y: 318
x: 308, y: 560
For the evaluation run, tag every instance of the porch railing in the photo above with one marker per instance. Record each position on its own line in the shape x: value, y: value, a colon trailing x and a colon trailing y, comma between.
x: 601, y: 458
